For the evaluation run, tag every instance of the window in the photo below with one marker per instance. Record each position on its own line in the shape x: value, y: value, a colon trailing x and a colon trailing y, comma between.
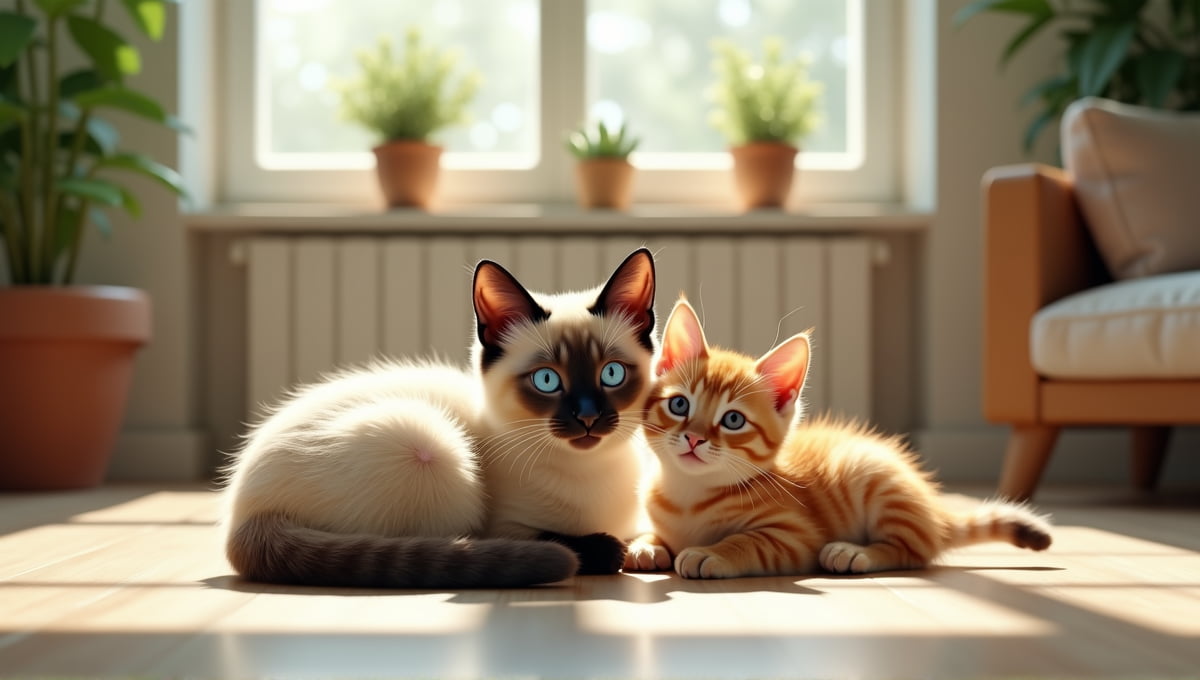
x: 650, y: 62
x: 546, y: 67
x: 304, y: 48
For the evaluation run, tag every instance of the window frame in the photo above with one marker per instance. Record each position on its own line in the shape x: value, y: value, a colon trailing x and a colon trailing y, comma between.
x: 562, y: 104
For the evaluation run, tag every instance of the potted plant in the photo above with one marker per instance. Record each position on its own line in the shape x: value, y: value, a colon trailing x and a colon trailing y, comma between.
x: 404, y: 99
x: 1136, y: 52
x: 764, y: 109
x: 603, y: 175
x: 66, y: 351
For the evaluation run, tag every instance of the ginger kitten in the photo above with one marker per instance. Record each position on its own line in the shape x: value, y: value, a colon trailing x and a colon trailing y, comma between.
x: 744, y: 490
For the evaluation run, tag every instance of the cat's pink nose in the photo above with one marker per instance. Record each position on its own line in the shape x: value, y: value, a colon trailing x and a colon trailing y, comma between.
x: 692, y: 440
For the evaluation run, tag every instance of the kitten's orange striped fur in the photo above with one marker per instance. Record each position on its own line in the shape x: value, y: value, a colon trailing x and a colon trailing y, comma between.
x: 745, y: 491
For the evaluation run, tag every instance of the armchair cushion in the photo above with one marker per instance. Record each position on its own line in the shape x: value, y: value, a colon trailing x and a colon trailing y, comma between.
x: 1143, y: 328
x: 1136, y: 172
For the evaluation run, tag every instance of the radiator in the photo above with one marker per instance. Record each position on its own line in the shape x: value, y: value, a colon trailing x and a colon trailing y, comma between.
x: 319, y: 302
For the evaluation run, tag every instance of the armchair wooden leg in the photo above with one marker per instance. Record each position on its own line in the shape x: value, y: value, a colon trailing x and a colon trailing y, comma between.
x: 1029, y: 448
x: 1149, y: 451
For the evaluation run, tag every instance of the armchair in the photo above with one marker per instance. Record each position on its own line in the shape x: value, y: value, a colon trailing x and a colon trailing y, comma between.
x: 1040, y: 251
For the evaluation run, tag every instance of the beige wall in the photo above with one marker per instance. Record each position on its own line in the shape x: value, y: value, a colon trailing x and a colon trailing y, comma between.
x: 977, y: 124
x: 160, y: 438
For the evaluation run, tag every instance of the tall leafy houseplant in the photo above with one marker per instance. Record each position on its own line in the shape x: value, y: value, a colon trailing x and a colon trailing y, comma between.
x: 57, y: 154
x: 1135, y: 51
x: 765, y: 109
x: 405, y: 99
x: 603, y: 174
x: 66, y: 351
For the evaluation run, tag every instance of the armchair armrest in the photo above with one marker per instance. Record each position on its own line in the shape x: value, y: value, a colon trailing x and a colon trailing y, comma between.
x: 1037, y: 250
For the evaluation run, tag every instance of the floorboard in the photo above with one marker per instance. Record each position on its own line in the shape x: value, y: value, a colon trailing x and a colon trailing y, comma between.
x: 130, y: 581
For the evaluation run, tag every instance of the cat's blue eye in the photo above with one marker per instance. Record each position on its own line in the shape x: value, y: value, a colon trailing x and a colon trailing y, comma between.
x: 612, y: 374
x: 546, y: 380
x: 678, y: 405
x: 733, y: 420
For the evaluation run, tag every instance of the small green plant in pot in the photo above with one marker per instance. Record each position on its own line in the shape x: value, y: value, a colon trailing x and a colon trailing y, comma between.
x: 603, y: 175
x: 66, y: 351
x: 765, y: 109
x: 405, y: 99
x: 1133, y: 51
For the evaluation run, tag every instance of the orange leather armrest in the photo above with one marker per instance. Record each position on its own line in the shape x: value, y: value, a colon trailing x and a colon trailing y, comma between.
x: 1037, y: 250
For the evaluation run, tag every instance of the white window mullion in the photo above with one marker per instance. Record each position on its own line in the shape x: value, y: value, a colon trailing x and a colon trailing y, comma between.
x: 564, y: 47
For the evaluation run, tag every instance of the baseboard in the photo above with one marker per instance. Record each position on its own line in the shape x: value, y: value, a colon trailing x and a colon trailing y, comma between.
x: 1082, y: 455
x: 159, y: 455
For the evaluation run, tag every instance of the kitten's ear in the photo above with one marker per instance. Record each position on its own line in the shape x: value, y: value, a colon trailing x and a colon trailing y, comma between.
x: 500, y: 302
x: 683, y: 338
x: 785, y: 368
x: 630, y: 292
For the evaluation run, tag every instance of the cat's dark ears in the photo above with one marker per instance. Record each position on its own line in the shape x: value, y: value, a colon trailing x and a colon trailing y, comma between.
x: 500, y: 301
x: 785, y: 368
x: 683, y: 338
x: 630, y: 293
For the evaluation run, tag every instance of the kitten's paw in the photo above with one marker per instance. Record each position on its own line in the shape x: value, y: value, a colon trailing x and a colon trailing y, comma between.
x: 700, y: 563
x: 844, y: 558
x: 643, y: 556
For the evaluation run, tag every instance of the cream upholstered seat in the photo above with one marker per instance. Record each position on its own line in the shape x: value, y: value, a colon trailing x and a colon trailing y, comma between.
x: 1141, y: 328
x: 1066, y: 344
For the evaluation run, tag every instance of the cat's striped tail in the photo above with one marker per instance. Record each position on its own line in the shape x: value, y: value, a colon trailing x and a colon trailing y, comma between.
x: 999, y: 521
x: 274, y: 549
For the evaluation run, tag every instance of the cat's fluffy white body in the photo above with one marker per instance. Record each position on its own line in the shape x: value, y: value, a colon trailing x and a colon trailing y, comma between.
x: 389, y: 436
x: 397, y: 450
x: 339, y: 439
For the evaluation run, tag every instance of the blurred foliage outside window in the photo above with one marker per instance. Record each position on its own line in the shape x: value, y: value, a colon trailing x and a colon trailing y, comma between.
x: 649, y: 63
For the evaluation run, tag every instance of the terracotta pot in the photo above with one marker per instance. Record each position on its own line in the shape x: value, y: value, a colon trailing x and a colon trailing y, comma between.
x: 604, y: 183
x: 408, y: 172
x: 66, y: 360
x: 763, y: 173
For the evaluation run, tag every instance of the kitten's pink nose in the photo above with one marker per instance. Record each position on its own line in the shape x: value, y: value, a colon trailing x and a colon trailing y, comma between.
x: 692, y: 440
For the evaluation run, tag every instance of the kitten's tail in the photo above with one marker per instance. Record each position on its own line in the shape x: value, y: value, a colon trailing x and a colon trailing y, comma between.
x: 274, y: 549
x: 999, y: 521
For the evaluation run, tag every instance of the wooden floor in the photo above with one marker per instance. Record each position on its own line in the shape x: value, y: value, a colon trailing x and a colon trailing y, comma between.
x: 130, y: 581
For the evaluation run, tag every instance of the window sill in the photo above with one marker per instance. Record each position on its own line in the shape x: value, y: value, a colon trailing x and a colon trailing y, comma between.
x: 553, y: 217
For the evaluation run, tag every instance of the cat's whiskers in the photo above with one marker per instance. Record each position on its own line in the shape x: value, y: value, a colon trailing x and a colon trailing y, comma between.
x: 533, y: 459
x: 544, y: 342
x: 536, y: 336
x: 519, y: 451
x: 779, y: 325
x: 608, y: 340
x: 750, y: 388
x: 515, y: 426
x: 778, y: 481
x: 743, y: 489
x: 769, y: 477
x: 503, y: 440
x: 653, y: 428
x: 514, y: 443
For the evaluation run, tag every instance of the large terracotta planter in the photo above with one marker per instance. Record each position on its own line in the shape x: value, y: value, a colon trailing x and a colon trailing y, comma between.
x: 604, y: 183
x: 408, y: 172
x: 762, y: 172
x: 66, y: 361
